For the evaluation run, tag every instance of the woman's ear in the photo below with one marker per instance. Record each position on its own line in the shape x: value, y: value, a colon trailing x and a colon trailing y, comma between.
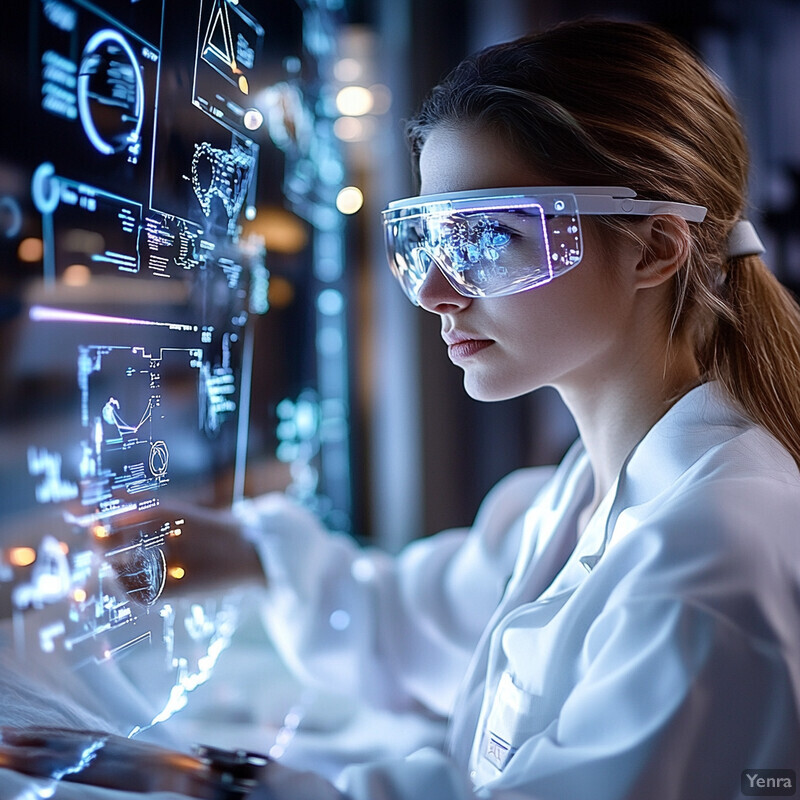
x: 665, y: 243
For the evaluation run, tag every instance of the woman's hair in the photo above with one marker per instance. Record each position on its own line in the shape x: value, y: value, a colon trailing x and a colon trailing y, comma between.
x: 600, y: 102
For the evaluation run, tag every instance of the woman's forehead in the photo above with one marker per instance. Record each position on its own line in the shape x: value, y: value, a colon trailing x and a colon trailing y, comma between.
x: 470, y: 157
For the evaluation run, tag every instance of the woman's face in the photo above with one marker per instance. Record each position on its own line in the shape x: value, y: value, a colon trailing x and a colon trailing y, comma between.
x: 569, y: 333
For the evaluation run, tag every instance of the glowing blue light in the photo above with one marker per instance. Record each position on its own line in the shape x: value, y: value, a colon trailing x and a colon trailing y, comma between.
x: 329, y: 341
x: 330, y: 302
x: 339, y: 620
x: 363, y: 570
x: 100, y: 38
x: 11, y: 216
x: 45, y: 189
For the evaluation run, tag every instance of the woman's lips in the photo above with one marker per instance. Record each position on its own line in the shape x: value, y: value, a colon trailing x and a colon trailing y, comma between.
x: 466, y: 348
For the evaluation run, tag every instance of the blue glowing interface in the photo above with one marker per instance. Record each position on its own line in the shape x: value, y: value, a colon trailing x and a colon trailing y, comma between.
x: 127, y: 298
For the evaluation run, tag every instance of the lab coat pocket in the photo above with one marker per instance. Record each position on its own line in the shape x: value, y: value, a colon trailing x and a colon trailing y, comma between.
x: 512, y: 719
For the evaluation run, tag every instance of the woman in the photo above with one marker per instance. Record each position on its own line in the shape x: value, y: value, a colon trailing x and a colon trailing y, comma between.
x: 628, y: 625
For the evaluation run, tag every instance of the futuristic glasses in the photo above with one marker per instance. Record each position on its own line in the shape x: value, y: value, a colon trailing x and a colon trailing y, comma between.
x: 497, y: 242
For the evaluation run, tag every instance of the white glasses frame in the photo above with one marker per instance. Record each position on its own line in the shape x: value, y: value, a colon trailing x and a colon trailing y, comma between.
x: 591, y: 200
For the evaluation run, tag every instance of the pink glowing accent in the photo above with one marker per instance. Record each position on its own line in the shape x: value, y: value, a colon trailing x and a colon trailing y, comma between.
x: 46, y: 314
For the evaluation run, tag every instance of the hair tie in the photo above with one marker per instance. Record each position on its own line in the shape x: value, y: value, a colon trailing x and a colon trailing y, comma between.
x: 744, y: 241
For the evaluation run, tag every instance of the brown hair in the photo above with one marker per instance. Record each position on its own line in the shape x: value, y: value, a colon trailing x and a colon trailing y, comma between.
x: 600, y: 102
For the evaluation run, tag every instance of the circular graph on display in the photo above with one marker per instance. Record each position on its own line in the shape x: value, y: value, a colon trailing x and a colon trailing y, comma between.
x: 159, y: 459
x: 110, y: 93
x: 142, y: 573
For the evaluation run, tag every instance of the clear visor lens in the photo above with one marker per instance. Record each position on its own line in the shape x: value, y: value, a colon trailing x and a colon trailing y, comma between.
x: 488, y: 249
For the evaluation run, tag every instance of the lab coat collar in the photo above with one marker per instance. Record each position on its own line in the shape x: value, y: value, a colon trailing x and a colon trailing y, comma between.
x: 699, y: 421
x: 702, y: 419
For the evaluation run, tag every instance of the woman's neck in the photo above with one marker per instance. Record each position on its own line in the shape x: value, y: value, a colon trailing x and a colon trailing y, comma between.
x: 615, y: 414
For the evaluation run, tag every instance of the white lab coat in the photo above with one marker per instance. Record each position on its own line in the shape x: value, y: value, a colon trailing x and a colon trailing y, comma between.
x: 657, y: 656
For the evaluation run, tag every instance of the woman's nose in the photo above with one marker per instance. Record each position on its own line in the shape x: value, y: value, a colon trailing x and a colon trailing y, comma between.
x: 437, y: 295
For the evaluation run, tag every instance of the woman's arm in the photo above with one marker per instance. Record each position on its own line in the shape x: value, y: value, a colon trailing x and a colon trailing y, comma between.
x: 394, y: 630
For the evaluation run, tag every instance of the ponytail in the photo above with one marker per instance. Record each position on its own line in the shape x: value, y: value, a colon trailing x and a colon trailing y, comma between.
x: 754, y: 350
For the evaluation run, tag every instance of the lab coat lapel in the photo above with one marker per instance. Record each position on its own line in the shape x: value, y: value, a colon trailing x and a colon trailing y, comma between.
x: 699, y: 421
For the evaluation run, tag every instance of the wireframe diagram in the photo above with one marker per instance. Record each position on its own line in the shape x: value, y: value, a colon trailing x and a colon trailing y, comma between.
x: 125, y: 431
x: 224, y: 175
x: 229, y: 41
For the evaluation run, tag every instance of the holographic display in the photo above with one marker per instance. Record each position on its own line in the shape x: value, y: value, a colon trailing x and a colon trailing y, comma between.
x: 129, y: 357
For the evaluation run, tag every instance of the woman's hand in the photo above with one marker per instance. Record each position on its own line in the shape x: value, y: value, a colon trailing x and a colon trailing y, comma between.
x: 203, y: 549
x: 211, y: 550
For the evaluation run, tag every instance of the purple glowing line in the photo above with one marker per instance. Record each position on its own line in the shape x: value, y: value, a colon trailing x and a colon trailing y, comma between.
x: 46, y: 314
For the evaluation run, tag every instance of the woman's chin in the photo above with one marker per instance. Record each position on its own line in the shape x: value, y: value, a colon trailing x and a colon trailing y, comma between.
x: 492, y: 391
